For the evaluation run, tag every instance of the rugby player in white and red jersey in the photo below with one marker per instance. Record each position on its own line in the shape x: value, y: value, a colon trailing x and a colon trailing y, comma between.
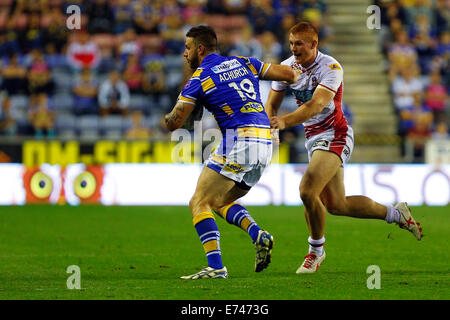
x: 329, y: 142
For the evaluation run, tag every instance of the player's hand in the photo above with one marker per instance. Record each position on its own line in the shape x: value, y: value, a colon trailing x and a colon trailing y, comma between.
x: 275, y: 136
x: 277, y: 123
x: 297, y: 74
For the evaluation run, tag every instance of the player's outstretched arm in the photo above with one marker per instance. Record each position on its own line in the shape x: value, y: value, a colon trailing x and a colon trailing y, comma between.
x: 319, y: 100
x: 274, y: 101
x: 278, y: 72
x: 177, y: 117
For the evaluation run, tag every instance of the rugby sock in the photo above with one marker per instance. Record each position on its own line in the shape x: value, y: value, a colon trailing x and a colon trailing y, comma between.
x: 239, y: 216
x: 392, y: 215
x: 316, y: 246
x: 209, y: 234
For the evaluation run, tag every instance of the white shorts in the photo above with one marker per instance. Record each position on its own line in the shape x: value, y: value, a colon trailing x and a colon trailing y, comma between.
x: 242, y: 159
x: 340, y: 143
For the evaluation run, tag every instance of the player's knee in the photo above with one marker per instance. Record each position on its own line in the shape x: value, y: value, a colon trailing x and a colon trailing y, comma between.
x: 307, y: 195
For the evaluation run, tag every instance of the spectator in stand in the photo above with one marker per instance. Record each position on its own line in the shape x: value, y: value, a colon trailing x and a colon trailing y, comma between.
x: 419, y: 7
x: 54, y: 32
x: 114, y: 95
x: 441, y: 14
x: 154, y: 80
x: 405, y: 86
x: 314, y: 10
x: 123, y: 16
x: 420, y: 132
x: 33, y: 36
x: 83, y: 53
x: 85, y: 94
x: 132, y: 74
x: 14, y: 76
x: 441, y: 60
x: 101, y: 17
x: 146, y: 19
x: 138, y: 130
x: 401, y: 54
x: 39, y: 74
x: 9, y: 40
x: 129, y: 45
x: 287, y: 7
x: 246, y: 44
x: 271, y: 48
x: 436, y: 96
x: 262, y: 16
x: 387, y: 37
x: 8, y: 125
x: 171, y: 30
x: 282, y: 34
x: 440, y: 131
x: 215, y: 7
x: 236, y: 6
x: 41, y: 116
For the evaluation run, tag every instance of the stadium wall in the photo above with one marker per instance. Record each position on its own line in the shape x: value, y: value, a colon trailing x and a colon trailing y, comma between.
x: 173, y: 184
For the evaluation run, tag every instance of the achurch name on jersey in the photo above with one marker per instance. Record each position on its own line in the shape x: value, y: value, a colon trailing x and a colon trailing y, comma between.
x: 233, y: 74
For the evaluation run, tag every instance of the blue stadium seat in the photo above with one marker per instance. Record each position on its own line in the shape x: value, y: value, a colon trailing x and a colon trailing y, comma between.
x: 63, y: 101
x: 111, y: 126
x: 65, y: 124
x: 64, y: 80
x: 88, y: 126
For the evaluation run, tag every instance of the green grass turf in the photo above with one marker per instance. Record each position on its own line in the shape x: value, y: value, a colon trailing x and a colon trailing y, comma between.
x: 139, y: 253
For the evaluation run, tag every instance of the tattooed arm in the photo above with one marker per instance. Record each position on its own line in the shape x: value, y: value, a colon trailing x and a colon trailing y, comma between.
x: 176, y: 118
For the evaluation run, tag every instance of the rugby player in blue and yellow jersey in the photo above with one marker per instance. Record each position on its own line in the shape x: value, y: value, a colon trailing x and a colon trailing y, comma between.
x: 229, y: 88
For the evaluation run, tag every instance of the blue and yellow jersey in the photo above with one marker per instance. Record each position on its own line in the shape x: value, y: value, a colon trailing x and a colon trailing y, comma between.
x: 228, y: 87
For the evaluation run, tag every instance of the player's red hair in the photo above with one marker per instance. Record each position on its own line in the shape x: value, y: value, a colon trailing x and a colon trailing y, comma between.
x: 307, y: 29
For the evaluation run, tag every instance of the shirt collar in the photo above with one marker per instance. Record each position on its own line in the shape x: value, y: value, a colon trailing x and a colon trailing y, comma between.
x: 209, y: 58
x: 316, y: 61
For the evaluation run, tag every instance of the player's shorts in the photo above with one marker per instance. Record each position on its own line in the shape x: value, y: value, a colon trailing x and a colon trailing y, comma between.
x: 340, y: 143
x: 243, y: 157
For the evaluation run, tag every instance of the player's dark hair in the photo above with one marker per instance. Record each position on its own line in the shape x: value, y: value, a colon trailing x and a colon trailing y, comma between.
x: 307, y: 28
x: 204, y: 35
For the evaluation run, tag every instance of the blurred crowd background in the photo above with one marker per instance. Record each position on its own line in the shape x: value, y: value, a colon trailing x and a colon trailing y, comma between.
x: 118, y: 74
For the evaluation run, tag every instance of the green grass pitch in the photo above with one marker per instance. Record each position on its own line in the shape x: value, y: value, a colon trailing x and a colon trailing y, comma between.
x: 140, y: 252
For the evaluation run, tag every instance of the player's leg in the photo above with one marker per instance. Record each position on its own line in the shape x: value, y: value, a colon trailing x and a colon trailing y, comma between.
x: 336, y: 203
x: 322, y: 168
x: 363, y: 207
x: 208, y: 194
x: 238, y: 215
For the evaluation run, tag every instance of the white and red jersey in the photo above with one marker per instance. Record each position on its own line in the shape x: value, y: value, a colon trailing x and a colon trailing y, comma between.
x: 327, y: 73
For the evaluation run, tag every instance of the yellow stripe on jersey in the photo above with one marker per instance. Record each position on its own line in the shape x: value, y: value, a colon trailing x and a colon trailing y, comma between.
x: 197, y: 73
x: 264, y: 69
x: 227, y: 110
x: 187, y: 100
x: 210, y: 246
x: 251, y: 132
x: 202, y: 216
x: 208, y: 84
x: 252, y: 68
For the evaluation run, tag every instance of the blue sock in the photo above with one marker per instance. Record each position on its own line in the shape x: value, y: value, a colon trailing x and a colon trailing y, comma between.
x: 239, y: 216
x: 209, y: 234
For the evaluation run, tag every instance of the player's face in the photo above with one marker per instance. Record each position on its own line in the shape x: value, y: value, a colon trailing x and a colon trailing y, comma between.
x: 191, y: 53
x: 303, y: 50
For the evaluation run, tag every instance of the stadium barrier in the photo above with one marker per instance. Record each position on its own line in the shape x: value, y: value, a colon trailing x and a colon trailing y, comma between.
x: 173, y: 184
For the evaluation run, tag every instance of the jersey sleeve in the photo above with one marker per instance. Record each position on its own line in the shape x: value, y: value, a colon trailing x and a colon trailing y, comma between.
x: 332, y: 77
x: 257, y: 67
x: 191, y: 92
x: 280, y: 85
